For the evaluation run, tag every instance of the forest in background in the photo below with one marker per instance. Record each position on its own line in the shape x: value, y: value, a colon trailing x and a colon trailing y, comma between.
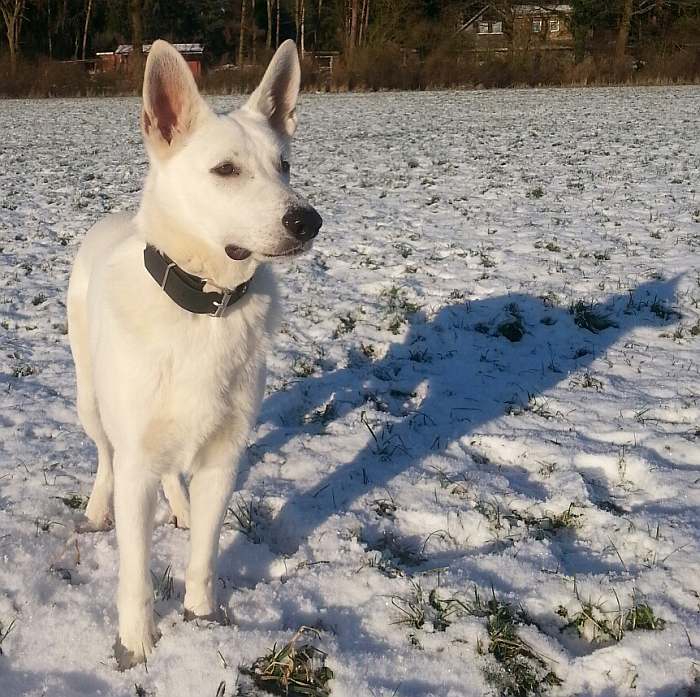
x: 376, y: 44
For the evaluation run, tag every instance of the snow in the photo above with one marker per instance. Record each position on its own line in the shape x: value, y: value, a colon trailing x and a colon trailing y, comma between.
x: 394, y: 447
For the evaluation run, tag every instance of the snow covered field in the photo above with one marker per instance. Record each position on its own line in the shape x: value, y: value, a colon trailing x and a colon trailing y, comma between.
x: 477, y: 468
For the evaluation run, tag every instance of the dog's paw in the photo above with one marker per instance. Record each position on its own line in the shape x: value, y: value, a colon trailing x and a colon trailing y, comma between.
x: 176, y: 495
x: 180, y: 519
x: 96, y: 520
x: 218, y: 616
x: 131, y: 653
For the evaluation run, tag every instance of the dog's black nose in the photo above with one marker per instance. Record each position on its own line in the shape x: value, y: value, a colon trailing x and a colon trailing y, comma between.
x: 302, y: 222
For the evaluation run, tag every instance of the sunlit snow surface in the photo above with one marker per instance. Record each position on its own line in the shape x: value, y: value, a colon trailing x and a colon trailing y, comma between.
x: 475, y: 208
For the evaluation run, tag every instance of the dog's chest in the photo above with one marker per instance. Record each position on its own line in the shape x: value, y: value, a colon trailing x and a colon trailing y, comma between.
x: 208, y: 383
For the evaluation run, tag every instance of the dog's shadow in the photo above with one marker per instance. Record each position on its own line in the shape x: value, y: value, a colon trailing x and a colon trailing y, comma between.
x: 452, y: 375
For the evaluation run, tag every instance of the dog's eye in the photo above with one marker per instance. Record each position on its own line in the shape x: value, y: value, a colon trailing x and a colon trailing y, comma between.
x: 284, y: 166
x: 226, y: 169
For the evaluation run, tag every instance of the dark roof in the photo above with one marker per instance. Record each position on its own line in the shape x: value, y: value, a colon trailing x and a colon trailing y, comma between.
x: 185, y: 49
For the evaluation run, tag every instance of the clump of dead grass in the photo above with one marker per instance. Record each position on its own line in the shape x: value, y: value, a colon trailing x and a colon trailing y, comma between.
x: 295, y: 669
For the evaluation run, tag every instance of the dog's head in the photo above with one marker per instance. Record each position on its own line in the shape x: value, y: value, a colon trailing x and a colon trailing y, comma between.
x: 226, y: 178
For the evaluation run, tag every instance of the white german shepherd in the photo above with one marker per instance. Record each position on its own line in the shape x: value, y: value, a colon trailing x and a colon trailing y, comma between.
x: 170, y: 312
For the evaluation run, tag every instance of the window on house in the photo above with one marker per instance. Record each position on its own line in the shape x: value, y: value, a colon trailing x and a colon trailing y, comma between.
x: 553, y: 25
x: 497, y: 28
x: 483, y: 27
x: 536, y: 26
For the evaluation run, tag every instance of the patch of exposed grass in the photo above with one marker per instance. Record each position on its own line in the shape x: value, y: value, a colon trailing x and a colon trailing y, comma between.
x: 520, y: 669
x: 538, y: 526
x: 586, y: 317
x: 661, y: 309
x: 512, y: 328
x: 385, y: 508
x: 419, y: 355
x: 164, y: 584
x: 422, y: 612
x: 587, y: 382
x: 74, y: 501
x: 386, y: 443
x: 368, y: 351
x: 550, y: 524
x: 397, y: 308
x: 346, y: 324
x: 597, y: 624
x: 396, y: 550
x: 457, y: 486
x: 486, y: 261
x: 295, y: 669
x: 302, y: 367
x: 323, y: 415
x: 250, y: 516
x: 23, y: 370
x: 539, y: 406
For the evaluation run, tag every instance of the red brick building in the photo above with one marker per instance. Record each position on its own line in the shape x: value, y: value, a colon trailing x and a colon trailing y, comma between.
x: 119, y: 59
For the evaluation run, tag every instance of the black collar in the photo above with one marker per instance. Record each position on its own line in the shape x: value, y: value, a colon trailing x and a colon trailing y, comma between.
x: 187, y: 290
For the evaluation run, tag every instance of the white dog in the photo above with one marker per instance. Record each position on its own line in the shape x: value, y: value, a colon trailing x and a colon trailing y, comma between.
x: 170, y: 312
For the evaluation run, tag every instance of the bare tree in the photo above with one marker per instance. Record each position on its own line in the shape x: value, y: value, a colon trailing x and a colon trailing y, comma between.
x: 353, y: 20
x: 623, y: 32
x: 640, y: 8
x: 241, y: 44
x: 268, y: 38
x: 301, y: 26
x: 12, y: 13
x: 48, y: 28
x: 296, y: 20
x: 364, y: 22
x: 253, y: 31
x: 87, y: 24
x: 277, y: 28
x: 136, y: 58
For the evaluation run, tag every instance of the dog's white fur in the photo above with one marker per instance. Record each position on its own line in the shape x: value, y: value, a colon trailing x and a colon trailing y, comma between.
x: 165, y: 394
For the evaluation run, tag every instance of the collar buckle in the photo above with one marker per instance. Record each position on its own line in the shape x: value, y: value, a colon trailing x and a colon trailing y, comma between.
x: 166, y: 274
x: 221, y: 306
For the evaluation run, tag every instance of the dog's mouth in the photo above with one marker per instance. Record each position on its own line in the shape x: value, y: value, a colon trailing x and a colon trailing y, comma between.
x: 241, y: 253
x: 237, y: 253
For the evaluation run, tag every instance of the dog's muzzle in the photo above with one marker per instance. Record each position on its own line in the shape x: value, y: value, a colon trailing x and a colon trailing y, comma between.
x: 302, y: 222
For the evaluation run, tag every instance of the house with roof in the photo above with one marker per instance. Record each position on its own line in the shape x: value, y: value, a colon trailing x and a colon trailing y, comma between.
x: 544, y: 27
x: 119, y: 58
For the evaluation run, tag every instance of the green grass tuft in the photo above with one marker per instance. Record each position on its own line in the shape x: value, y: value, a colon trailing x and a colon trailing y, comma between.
x: 397, y: 308
x: 597, y: 624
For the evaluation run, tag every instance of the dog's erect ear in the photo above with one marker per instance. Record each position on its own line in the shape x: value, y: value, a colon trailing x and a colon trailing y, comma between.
x: 276, y: 95
x: 171, y: 102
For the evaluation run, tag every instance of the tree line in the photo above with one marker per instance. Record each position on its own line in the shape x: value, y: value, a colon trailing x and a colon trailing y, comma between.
x: 243, y: 32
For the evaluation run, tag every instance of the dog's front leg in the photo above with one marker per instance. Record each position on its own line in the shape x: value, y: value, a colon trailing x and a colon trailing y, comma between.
x: 210, y: 490
x: 135, y: 493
